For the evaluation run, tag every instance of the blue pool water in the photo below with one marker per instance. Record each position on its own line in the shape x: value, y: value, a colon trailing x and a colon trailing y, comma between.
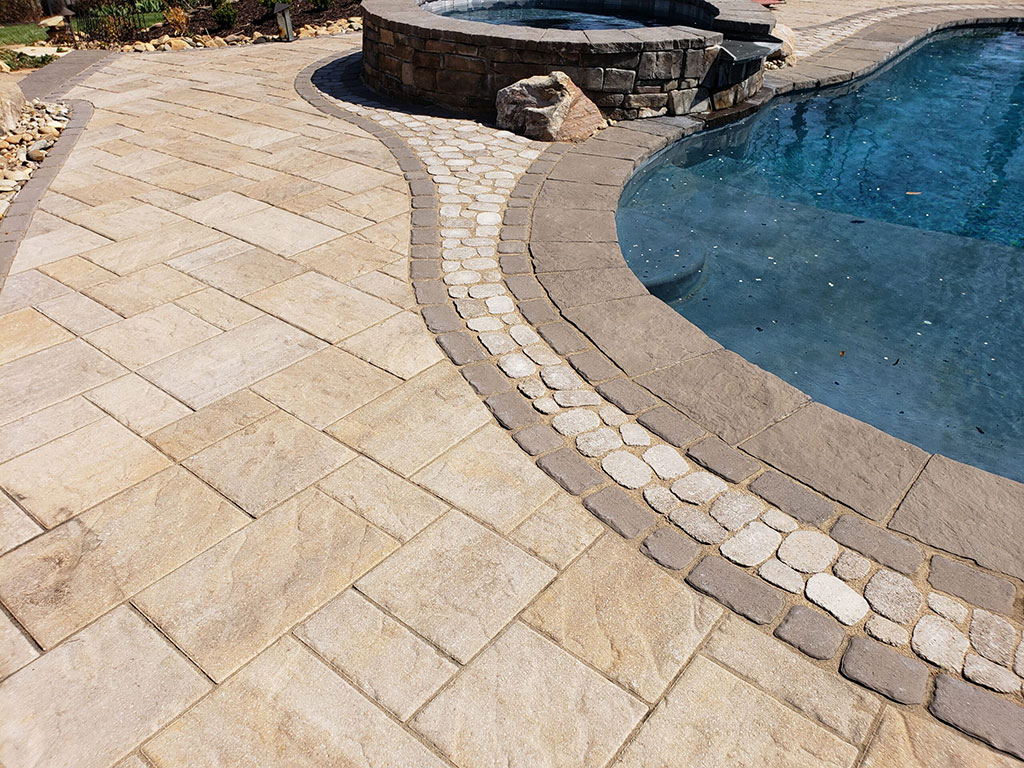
x: 867, y: 247
x: 549, y: 18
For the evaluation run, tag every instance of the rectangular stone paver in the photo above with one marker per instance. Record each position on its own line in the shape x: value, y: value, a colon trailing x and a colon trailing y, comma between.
x: 16, y: 650
x: 415, y: 422
x: 388, y: 662
x: 239, y: 274
x: 27, y: 331
x: 67, y: 476
x: 235, y: 599
x: 558, y: 531
x: 15, y: 526
x: 733, y: 586
x: 265, y: 463
x: 50, y: 376
x: 625, y: 616
x: 223, y: 364
x: 62, y: 580
x: 33, y: 430
x: 214, y: 422
x: 57, y: 711
x: 322, y: 306
x: 911, y: 741
x: 145, y: 250
x: 819, y: 695
x: 385, y: 499
x: 489, y: 476
x: 287, y: 708
x: 526, y: 702
x: 325, y: 386
x: 138, y: 404
x: 149, y: 336
x: 400, y: 345
x: 457, y: 584
x: 712, y: 717
x: 139, y: 291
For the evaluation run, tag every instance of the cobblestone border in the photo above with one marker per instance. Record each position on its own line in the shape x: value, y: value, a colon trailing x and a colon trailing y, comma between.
x: 547, y: 412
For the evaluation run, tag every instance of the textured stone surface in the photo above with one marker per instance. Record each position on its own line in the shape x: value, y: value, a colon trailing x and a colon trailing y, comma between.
x: 974, y: 586
x: 457, y: 584
x: 887, y: 631
x: 634, y: 434
x: 387, y: 661
x: 570, y: 471
x: 846, y: 459
x: 235, y: 599
x: 938, y: 641
x: 984, y: 672
x: 734, y: 509
x: 698, y: 524
x: 814, y: 633
x: 781, y: 575
x: 894, y: 596
x: 666, y: 462
x: 670, y: 548
x: 850, y: 566
x: 836, y: 597
x: 614, y: 507
x: 884, y: 670
x: 712, y: 717
x: 59, y: 582
x: 945, y: 504
x: 737, y: 589
x: 993, y: 637
x: 979, y: 713
x: 307, y: 715
x: 598, y: 442
x: 808, y: 551
x: 793, y: 498
x: 752, y: 544
x: 670, y: 425
x: 558, y: 531
x: 57, y: 710
x: 16, y: 650
x: 537, y: 439
x: 779, y: 520
x: 878, y: 544
x: 549, y: 108
x: 845, y: 708
x: 716, y: 455
x: 574, y: 421
x: 947, y: 607
x: 526, y: 700
x: 624, y: 616
x: 626, y: 469
x: 698, y: 487
x: 908, y: 740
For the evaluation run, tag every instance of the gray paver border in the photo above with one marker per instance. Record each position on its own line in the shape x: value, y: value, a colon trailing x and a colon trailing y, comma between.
x: 589, y: 179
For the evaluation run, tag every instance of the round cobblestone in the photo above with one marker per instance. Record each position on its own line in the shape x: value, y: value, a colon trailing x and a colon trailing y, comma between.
x: 626, y: 469
x: 808, y: 551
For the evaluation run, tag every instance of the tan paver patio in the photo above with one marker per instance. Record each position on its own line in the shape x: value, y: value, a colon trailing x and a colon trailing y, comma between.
x: 252, y: 515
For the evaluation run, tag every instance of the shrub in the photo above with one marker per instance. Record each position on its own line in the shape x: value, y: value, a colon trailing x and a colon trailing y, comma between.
x: 15, y: 11
x: 225, y: 15
x: 321, y: 5
x: 176, y: 18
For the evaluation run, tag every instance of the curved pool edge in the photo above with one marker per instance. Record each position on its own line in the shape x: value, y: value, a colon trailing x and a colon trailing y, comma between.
x: 576, y: 257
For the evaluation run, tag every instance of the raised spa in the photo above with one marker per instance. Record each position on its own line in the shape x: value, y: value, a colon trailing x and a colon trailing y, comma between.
x: 633, y: 58
x: 866, y: 246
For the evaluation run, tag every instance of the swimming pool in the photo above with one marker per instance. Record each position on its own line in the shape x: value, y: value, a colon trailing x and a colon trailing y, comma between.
x: 866, y: 246
x: 548, y: 18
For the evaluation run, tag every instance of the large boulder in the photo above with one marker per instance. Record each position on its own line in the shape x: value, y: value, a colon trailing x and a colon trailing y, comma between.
x: 12, y: 103
x: 548, y: 108
x: 785, y: 34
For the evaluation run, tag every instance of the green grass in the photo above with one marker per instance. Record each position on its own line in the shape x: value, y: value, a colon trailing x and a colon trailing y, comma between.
x: 21, y: 34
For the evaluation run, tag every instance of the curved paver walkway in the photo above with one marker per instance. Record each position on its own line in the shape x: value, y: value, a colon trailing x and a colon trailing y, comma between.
x: 252, y: 511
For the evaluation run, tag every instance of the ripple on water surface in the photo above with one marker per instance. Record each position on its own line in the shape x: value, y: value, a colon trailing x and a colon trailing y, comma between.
x: 867, y: 247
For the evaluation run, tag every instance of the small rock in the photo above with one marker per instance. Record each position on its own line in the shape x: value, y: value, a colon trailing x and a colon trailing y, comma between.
x: 828, y: 592
x: 659, y: 497
x: 698, y: 487
x: 850, y: 566
x: 666, y: 462
x: 634, y: 434
x: 612, y: 416
x: 894, y: 596
x: 779, y: 520
x: 808, y: 551
x: 991, y: 675
x: 517, y: 365
x: 735, y: 509
x: 936, y: 640
x: 698, y: 524
x: 993, y: 637
x: 752, y: 545
x: 575, y: 421
x: 561, y: 377
x: 887, y: 631
x: 599, y: 442
x: 947, y: 607
x: 548, y: 108
x: 546, y: 405
x: 626, y: 469
x: 781, y: 575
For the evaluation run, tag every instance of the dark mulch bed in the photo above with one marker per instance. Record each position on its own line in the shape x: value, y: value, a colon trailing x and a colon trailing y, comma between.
x: 254, y: 16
